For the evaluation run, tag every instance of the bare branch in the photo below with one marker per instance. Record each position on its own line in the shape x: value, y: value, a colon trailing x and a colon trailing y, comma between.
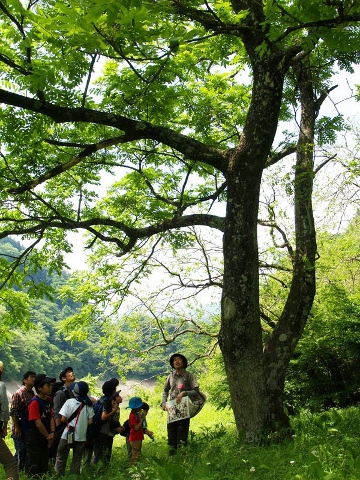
x: 277, y: 156
x: 54, y: 172
x: 87, y: 84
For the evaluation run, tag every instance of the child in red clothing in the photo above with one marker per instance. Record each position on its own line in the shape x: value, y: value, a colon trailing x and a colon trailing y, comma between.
x: 136, y: 436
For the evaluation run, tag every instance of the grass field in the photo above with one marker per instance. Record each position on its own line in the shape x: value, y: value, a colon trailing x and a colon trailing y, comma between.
x: 326, y: 446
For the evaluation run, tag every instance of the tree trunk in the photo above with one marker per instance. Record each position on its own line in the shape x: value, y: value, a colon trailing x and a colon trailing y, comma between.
x: 256, y: 375
x: 240, y: 335
x: 280, y: 347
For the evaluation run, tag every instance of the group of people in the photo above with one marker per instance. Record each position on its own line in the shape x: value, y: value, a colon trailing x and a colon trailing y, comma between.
x: 61, y: 415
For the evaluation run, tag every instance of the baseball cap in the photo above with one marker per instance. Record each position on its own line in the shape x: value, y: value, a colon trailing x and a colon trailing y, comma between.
x: 116, y: 394
x: 63, y: 372
x: 42, y: 378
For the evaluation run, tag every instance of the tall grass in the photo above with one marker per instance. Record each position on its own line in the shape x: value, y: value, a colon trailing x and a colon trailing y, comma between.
x: 326, y: 446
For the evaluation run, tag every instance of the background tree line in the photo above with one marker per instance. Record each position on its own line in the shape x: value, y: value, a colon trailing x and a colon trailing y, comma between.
x: 45, y: 344
x: 41, y: 346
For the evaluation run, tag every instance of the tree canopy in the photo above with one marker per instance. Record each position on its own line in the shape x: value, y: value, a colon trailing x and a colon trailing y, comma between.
x: 185, y: 97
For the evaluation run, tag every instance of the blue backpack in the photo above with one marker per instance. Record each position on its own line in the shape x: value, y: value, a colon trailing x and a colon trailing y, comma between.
x: 95, y: 427
x: 26, y: 424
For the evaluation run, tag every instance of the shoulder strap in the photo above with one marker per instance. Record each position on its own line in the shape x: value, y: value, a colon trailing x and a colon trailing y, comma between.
x: 40, y: 402
x: 75, y: 412
x: 77, y: 416
x: 66, y: 391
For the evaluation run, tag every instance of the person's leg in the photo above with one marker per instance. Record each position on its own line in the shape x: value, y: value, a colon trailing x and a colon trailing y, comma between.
x: 37, y: 455
x: 183, y: 431
x: 135, y: 452
x: 109, y: 445
x: 32, y: 455
x: 44, y: 458
x: 172, y: 437
x: 20, y: 452
x: 77, y: 457
x: 8, y: 461
x: 102, y: 448
x: 128, y: 446
x: 54, y: 447
x: 97, y: 447
x: 87, y: 455
x: 61, y: 457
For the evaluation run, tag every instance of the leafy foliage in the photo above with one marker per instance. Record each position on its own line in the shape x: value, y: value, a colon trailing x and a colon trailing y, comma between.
x: 181, y: 115
x: 325, y: 370
x: 39, y: 345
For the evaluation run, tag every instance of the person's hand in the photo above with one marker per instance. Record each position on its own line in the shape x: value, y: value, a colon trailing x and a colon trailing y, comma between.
x: 4, y: 431
x: 179, y: 397
x: 17, y: 432
x: 164, y: 406
x: 150, y: 434
x: 50, y: 439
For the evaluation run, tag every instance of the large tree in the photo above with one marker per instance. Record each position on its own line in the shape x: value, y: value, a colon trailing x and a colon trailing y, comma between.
x: 189, y: 103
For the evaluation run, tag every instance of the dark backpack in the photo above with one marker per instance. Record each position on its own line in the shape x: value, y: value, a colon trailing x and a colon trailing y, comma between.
x: 98, y: 409
x: 95, y: 427
x: 56, y: 386
x: 126, y: 425
x: 26, y: 424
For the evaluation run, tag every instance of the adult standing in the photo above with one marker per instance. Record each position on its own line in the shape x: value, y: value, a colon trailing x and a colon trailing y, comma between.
x: 6, y: 457
x: 19, y: 403
x: 64, y: 393
x: 41, y: 427
x: 67, y: 377
x: 179, y: 383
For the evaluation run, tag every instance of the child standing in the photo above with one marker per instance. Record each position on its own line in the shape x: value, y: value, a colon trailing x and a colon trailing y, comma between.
x: 149, y: 433
x: 145, y: 407
x: 136, y: 436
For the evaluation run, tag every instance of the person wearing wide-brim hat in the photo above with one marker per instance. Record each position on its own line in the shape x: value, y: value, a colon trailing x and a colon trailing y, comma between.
x: 179, y: 383
x: 136, y: 436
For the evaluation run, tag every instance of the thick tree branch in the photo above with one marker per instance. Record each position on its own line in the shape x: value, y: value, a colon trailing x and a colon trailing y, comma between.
x: 329, y: 23
x: 134, y: 129
x: 132, y: 234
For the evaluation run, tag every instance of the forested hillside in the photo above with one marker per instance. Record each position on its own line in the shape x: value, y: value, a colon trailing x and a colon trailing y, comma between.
x: 46, y: 344
x: 40, y: 346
